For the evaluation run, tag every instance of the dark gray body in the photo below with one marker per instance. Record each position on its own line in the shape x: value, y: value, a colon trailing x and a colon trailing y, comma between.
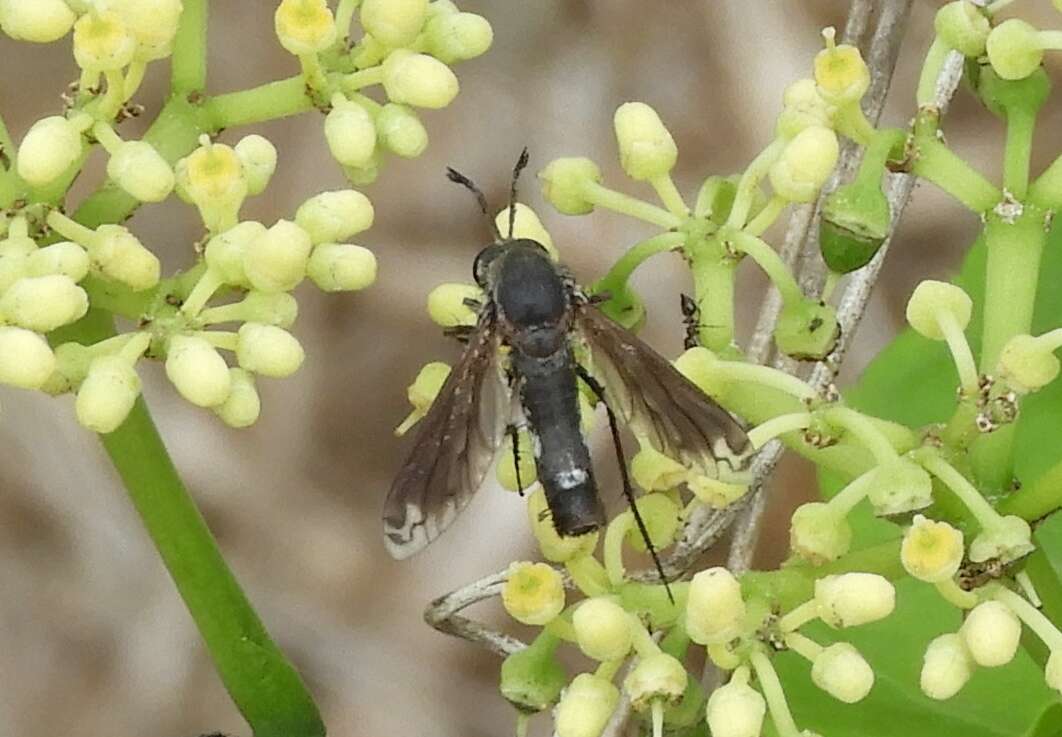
x: 533, y: 301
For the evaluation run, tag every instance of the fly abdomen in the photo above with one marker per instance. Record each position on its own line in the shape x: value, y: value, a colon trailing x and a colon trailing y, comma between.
x: 550, y: 400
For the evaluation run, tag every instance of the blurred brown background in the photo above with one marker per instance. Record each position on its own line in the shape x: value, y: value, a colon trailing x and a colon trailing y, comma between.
x: 93, y: 638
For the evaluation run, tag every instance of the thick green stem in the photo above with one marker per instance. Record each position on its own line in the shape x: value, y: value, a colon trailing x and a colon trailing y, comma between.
x: 1021, y: 121
x: 937, y: 163
x: 189, y: 60
x: 279, y: 99
x: 927, y: 80
x: 1038, y: 499
x: 615, y: 281
x: 713, y: 284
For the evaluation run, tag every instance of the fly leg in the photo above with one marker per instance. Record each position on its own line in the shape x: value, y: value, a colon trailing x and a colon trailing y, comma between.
x: 461, y: 333
x: 628, y: 490
x: 514, y: 434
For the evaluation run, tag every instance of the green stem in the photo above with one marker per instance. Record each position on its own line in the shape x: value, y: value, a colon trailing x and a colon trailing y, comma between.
x: 775, y: 696
x: 926, y: 93
x: 669, y: 195
x: 279, y: 99
x: 771, y: 263
x: 868, y: 435
x: 615, y: 281
x: 765, y: 218
x: 1038, y: 499
x: 610, y: 199
x: 1046, y: 191
x: 937, y: 163
x: 265, y: 687
x: 713, y: 285
x: 188, y: 63
x: 750, y: 179
x: 1021, y: 122
x: 344, y: 15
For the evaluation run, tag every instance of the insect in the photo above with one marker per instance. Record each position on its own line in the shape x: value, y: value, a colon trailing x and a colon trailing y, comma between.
x: 535, y: 308
x: 691, y: 318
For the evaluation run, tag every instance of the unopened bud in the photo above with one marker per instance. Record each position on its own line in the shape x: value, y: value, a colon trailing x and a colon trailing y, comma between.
x: 841, y: 671
x: 564, y: 183
x: 805, y: 164
x: 51, y: 146
x: 400, y: 131
x: 341, y: 267
x: 418, y: 80
x: 26, y: 361
x: 647, y: 149
x: 456, y: 37
x: 44, y: 303
x: 946, y: 667
x: 243, y: 405
x: 992, y: 633
x: 852, y: 599
x: 602, y: 629
x: 715, y: 610
x: 333, y: 217
x: 107, y: 394
x: 585, y: 707
x: 394, y: 22
x: 268, y: 350
x: 276, y: 261
x: 197, y: 370
x: 259, y: 159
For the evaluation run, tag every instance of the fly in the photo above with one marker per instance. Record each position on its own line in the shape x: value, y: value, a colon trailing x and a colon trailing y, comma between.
x: 534, y: 307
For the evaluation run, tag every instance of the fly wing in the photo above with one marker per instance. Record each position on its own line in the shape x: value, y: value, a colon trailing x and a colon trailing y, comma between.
x: 453, y: 449
x: 655, y: 399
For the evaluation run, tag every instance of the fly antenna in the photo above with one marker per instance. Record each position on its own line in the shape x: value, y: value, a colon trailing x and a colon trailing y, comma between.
x: 521, y: 164
x: 457, y: 177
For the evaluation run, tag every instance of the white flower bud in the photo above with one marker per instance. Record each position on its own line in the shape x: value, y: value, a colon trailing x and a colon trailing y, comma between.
x: 107, y: 394
x: 841, y: 671
x: 946, y: 667
x: 715, y: 610
x: 43, y: 303
x: 422, y: 392
x: 197, y: 370
x: 526, y: 225
x: 102, y: 43
x: 224, y: 252
x: 585, y: 707
x: 931, y: 299
x: 803, y: 107
x: 276, y: 261
x: 418, y: 80
x: 304, y: 26
x: 1014, y: 49
x: 153, y: 24
x: 992, y: 633
x: 332, y: 217
x: 647, y: 149
x: 963, y: 27
x: 350, y: 133
x: 455, y: 37
x: 39, y: 21
x: 602, y: 629
x: 818, y: 534
x: 138, y: 168
x: 26, y: 361
x: 656, y: 676
x: 1008, y: 539
x: 533, y: 593
x: 268, y: 350
x: 736, y: 710
x: 259, y: 160
x: 117, y: 254
x: 564, y: 183
x: 1053, y: 671
x: 394, y: 22
x: 931, y: 551
x: 552, y: 546
x: 65, y: 258
x: 446, y: 304
x: 242, y: 407
x: 339, y: 267
x: 805, y: 164
x: 1027, y: 363
x: 51, y: 146
x: 400, y: 131
x: 852, y: 599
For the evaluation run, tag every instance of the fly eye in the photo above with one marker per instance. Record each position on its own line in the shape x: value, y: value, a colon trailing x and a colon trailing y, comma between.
x: 481, y: 265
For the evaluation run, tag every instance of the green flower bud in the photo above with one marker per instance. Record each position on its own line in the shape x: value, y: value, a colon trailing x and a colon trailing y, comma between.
x: 900, y: 486
x: 153, y: 24
x: 39, y: 21
x: 276, y: 261
x: 1014, y: 49
x: 224, y: 252
x: 138, y: 168
x: 505, y: 469
x: 931, y: 551
x: 526, y: 224
x: 932, y: 298
x: 258, y: 157
x: 657, y: 676
x: 50, y: 148
x: 117, y: 254
x: 554, y: 547
x: 946, y: 667
x: 43, y: 303
x: 422, y: 393
x: 304, y: 26
x: 332, y: 217
x: 963, y: 27
x: 418, y: 80
x: 991, y: 633
x: 807, y: 330
x: 453, y: 37
x: 840, y: 73
x: 563, y: 184
x: 1008, y: 539
x: 602, y: 629
x: 26, y: 361
x: 802, y: 107
x: 855, y: 222
x: 350, y: 133
x: 197, y: 370
x: 65, y: 257
x: 654, y: 471
x: 841, y: 671
x: 647, y: 149
x: 446, y: 304
x: 242, y: 407
x: 533, y: 593
x: 818, y: 534
x: 715, y: 611
x: 1028, y: 364
x: 102, y: 43
x: 532, y: 679
x: 805, y: 164
x: 1053, y: 671
x: 852, y: 599
x: 107, y: 394
x: 394, y: 22
x: 341, y: 267
x: 585, y: 707
x: 400, y: 131
x: 662, y: 517
x: 268, y: 350
x: 736, y: 710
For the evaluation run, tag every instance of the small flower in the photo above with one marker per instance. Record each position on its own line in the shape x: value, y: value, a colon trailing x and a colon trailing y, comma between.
x: 841, y: 671
x: 931, y: 551
x: 117, y: 254
x: 647, y: 150
x: 50, y: 148
x: 212, y: 178
x: 819, y: 534
x: 39, y: 21
x: 662, y: 521
x: 400, y: 131
x: 602, y: 629
x: 140, y: 170
x: 26, y: 361
x: 840, y: 72
x: 564, y: 182
x: 805, y: 164
x: 197, y: 371
x: 341, y: 267
x: 526, y: 224
x: 447, y: 304
x: 258, y: 158
x: 1014, y: 49
x: 852, y: 599
x: 422, y: 393
x: 102, y: 43
x: 153, y: 24
x: 333, y: 217
x: 946, y: 667
x: 1027, y: 363
x: 107, y: 394
x: 992, y: 633
x: 935, y: 306
x: 654, y: 471
x: 505, y: 469
x: 224, y: 252
x: 736, y: 710
x: 715, y: 611
x: 276, y: 261
x: 1053, y: 670
x: 350, y: 133
x: 304, y: 26
x: 963, y: 27
x: 1009, y: 538
x: 533, y: 593
x: 453, y: 37
x: 900, y: 486
x: 532, y: 679
x: 268, y: 350
x: 585, y: 707
x: 243, y: 405
x: 44, y: 303
x: 555, y: 548
x: 418, y: 80
x: 658, y: 676
x: 66, y: 258
x: 394, y: 22
x: 802, y: 107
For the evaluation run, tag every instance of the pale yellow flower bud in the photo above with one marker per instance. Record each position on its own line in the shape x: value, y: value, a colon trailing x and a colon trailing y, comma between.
x: 931, y: 551
x: 304, y: 26
x: 992, y: 633
x: 647, y: 149
x: 268, y: 350
x: 715, y: 611
x: 946, y: 667
x: 533, y: 593
x: 102, y: 43
x: 418, y: 80
x: 26, y: 361
x: 394, y: 22
x: 585, y: 707
x: 841, y: 671
x: 602, y: 629
x: 243, y: 405
x: 341, y: 267
x: 852, y: 599
x: 197, y: 370
x: 446, y: 304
